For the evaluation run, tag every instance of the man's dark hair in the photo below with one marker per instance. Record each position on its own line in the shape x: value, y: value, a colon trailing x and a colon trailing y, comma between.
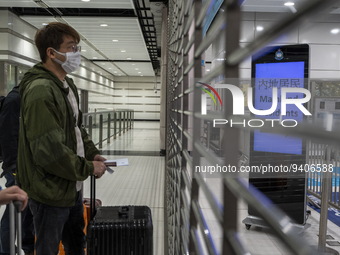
x: 52, y: 35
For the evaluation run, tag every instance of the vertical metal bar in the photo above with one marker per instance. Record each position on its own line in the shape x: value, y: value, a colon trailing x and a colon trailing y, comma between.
x: 90, y: 125
x: 108, y: 128
x: 115, y: 124
x: 95, y: 117
x: 100, y: 131
x: 85, y: 121
x: 208, y: 134
x: 197, y: 5
x: 127, y: 120
x: 124, y: 121
x: 11, y: 228
x: 133, y: 118
x: 326, y: 186
x: 231, y: 135
x: 170, y: 180
x: 17, y: 209
x: 120, y: 122
x: 177, y: 184
x: 84, y: 101
x: 184, y: 106
x: 164, y: 76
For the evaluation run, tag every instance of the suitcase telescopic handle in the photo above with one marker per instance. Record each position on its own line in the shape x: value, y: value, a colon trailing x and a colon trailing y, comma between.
x: 92, y: 197
x: 17, y: 205
x: 15, y: 227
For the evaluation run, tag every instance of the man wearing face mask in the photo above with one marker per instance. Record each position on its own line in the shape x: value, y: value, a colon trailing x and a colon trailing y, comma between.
x: 55, y: 153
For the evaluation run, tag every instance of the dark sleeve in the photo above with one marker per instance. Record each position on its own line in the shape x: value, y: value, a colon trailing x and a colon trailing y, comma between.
x: 9, y: 123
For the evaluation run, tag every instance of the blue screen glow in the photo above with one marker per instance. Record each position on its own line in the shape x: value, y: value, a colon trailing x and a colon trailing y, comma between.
x: 279, y: 75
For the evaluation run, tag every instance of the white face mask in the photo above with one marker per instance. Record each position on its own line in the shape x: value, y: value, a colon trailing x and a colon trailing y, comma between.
x: 72, y: 61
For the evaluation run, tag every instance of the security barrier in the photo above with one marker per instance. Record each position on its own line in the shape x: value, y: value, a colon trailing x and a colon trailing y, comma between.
x: 324, y: 160
x: 110, y: 124
x: 187, y: 221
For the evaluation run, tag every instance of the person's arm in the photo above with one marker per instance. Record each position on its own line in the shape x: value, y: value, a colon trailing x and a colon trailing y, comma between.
x: 13, y: 193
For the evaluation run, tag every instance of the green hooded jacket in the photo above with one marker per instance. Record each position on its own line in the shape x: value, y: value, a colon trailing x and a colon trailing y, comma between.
x: 48, y: 165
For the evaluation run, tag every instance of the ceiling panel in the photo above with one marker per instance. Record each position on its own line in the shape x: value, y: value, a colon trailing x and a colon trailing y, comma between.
x: 118, y: 4
x: 128, y: 45
x: 18, y: 3
x: 129, y: 42
x: 89, y: 52
x: 38, y: 21
x: 98, y: 42
x: 110, y: 67
x: 267, y: 5
x: 136, y: 69
x: 126, y: 68
x: 120, y: 40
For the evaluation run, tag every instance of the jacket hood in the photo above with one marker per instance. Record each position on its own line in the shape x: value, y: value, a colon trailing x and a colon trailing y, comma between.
x: 38, y: 71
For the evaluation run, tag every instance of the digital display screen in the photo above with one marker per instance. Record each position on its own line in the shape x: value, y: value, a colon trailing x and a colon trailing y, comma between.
x: 279, y: 75
x: 282, y: 67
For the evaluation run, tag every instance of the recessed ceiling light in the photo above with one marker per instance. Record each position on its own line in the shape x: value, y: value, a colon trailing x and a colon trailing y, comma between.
x: 128, y: 58
x: 83, y: 50
x: 85, y: 0
x: 123, y: 51
x: 133, y: 64
x: 136, y: 68
x: 289, y: 4
x: 103, y: 25
x: 259, y: 28
x: 115, y: 40
x: 335, y: 31
x: 44, y: 24
x: 139, y: 72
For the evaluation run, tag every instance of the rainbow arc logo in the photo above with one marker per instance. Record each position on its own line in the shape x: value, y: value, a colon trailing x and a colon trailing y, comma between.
x: 213, y: 94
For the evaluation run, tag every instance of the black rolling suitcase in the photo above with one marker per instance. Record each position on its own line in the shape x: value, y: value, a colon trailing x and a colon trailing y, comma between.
x: 119, y: 230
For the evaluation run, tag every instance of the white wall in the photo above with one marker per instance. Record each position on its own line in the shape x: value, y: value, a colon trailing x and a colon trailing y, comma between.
x: 324, y: 46
x: 138, y: 93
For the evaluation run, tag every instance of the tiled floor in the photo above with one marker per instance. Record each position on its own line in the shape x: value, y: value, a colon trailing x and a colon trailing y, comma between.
x: 139, y: 183
x: 260, y: 241
x: 142, y: 183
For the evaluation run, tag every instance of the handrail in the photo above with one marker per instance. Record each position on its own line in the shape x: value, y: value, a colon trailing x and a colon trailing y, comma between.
x: 122, y: 120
